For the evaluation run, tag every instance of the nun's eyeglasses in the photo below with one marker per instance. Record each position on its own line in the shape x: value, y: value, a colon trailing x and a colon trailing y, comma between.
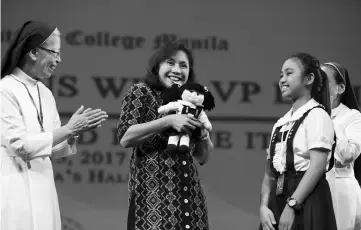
x: 52, y: 52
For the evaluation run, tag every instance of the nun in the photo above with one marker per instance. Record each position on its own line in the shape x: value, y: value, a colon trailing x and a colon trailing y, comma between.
x: 31, y: 131
x: 346, y: 117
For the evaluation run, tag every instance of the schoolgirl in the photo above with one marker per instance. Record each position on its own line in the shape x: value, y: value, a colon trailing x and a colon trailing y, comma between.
x: 295, y: 193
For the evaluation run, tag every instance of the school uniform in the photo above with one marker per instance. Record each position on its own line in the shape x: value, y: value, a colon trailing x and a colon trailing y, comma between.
x: 293, y: 135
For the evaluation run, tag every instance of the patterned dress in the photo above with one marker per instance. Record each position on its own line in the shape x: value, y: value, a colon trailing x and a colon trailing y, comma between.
x: 164, y: 190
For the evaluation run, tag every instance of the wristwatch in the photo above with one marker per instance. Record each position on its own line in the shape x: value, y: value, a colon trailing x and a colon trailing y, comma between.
x: 292, y: 203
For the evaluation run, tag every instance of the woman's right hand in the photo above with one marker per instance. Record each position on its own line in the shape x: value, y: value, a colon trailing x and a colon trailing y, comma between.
x: 267, y: 218
x: 184, y: 123
x: 83, y: 120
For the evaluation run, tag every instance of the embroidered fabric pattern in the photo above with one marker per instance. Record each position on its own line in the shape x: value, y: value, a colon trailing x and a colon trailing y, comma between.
x: 164, y: 190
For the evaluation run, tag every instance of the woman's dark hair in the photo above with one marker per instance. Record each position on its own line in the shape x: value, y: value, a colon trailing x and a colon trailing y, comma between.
x: 348, y: 97
x: 319, y: 91
x: 175, y: 92
x: 162, y: 54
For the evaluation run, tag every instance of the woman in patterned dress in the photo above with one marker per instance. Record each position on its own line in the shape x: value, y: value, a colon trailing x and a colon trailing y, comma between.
x: 165, y: 192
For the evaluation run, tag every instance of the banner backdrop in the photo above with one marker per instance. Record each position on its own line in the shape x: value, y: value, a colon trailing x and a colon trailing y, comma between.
x: 239, y: 48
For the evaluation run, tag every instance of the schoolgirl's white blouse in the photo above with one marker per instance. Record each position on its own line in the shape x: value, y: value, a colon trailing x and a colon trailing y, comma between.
x: 316, y: 131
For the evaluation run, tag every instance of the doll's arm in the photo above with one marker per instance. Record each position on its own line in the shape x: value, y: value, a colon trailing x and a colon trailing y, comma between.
x: 171, y: 106
x: 203, y: 118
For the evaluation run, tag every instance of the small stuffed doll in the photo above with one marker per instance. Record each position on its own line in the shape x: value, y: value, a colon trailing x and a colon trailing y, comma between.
x: 191, y: 99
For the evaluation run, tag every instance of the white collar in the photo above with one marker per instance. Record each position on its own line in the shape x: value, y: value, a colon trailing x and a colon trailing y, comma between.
x: 338, y: 110
x: 298, y: 114
x: 21, y: 76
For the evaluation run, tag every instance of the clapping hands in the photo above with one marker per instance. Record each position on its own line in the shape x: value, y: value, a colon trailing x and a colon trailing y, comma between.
x: 86, y: 119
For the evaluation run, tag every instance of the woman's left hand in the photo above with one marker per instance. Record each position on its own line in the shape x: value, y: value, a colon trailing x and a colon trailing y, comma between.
x: 287, y: 219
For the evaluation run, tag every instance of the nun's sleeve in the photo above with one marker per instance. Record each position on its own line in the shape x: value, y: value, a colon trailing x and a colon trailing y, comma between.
x: 348, y: 144
x: 62, y: 149
x: 14, y: 135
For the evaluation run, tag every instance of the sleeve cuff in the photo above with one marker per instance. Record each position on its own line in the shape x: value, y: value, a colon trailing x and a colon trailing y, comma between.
x: 64, y: 150
x: 203, y: 163
x: 319, y: 144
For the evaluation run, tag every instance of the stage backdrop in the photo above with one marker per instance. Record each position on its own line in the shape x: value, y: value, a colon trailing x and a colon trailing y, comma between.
x: 239, y: 48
